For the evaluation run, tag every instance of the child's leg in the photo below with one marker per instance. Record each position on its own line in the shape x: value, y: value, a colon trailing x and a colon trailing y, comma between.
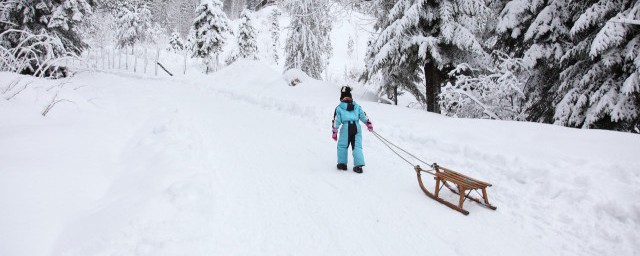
x: 343, y: 145
x: 358, y: 156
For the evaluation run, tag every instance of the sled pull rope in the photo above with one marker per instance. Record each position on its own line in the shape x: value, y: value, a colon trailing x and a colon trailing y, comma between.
x: 389, y: 144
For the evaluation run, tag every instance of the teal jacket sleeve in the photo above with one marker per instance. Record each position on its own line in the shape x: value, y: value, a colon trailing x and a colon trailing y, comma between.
x: 337, y: 121
x: 362, y: 115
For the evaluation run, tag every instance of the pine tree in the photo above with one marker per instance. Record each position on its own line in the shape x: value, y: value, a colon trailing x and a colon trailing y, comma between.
x: 208, y: 32
x: 134, y: 23
x: 419, y: 41
x: 176, y: 43
x: 308, y: 45
x: 247, y: 42
x: 274, y: 29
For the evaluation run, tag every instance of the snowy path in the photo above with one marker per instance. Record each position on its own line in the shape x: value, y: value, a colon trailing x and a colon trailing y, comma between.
x: 170, y: 167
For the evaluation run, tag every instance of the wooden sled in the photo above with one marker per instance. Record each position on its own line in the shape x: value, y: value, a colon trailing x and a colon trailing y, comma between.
x: 464, y: 186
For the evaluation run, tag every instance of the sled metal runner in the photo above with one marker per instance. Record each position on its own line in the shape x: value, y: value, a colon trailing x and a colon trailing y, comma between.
x: 464, y: 185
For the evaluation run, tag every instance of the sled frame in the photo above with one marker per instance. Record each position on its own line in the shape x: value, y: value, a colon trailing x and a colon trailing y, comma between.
x: 464, y: 185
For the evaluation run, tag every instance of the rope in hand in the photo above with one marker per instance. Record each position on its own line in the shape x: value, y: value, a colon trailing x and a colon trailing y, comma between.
x: 389, y: 145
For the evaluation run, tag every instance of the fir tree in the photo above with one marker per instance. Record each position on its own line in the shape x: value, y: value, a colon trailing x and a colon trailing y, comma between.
x: 134, y: 23
x: 208, y: 32
x: 419, y: 41
x: 308, y: 45
x: 247, y: 42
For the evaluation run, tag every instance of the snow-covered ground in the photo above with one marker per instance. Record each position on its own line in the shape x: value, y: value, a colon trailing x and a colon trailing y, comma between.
x: 240, y: 163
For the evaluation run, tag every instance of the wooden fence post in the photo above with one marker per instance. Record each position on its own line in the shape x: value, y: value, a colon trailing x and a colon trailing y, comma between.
x: 135, y: 62
x: 184, y: 63
x: 155, y: 63
x: 120, y: 58
x: 126, y: 59
x: 145, y: 59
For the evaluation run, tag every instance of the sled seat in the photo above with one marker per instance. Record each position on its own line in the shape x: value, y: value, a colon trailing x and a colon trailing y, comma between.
x: 463, y: 184
x: 459, y: 179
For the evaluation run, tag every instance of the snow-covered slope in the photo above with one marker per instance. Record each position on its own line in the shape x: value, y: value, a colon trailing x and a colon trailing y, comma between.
x: 240, y: 163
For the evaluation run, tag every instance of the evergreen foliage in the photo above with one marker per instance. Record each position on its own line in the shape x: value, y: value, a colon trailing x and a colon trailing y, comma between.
x: 207, y: 36
x: 308, y: 45
x: 134, y: 23
x: 247, y: 41
x: 418, y: 41
x: 59, y: 19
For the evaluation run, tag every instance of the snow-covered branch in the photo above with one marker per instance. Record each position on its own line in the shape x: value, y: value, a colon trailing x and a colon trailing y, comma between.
x: 495, y: 92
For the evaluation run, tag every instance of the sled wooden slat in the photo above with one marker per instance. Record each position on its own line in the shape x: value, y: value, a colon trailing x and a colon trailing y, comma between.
x: 459, y: 180
x: 462, y: 175
x: 464, y: 185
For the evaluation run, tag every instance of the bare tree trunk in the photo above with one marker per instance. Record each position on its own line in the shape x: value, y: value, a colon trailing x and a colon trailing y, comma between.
x: 433, y: 82
x: 395, y: 95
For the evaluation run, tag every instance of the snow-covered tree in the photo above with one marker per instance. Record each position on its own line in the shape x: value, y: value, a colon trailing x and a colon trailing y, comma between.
x: 247, y: 42
x: 419, y: 41
x: 274, y: 30
x: 176, y: 43
x: 308, y: 45
x: 208, y: 32
x: 59, y: 19
x: 134, y: 23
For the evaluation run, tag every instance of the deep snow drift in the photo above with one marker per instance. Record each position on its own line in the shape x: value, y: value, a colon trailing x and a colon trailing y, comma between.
x: 240, y: 163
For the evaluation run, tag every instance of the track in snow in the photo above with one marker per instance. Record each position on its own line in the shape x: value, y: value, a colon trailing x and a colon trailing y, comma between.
x: 210, y: 167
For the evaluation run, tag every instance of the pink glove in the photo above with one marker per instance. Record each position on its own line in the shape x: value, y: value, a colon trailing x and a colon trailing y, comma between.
x: 369, y: 126
x: 334, y: 136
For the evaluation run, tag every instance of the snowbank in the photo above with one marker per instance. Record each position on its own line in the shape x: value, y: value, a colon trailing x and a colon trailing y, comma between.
x: 239, y: 162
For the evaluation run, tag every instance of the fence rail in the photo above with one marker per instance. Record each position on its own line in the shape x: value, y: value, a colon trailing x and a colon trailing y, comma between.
x: 141, y: 60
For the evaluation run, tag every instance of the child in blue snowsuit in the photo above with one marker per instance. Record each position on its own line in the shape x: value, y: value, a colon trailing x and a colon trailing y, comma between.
x: 345, y: 118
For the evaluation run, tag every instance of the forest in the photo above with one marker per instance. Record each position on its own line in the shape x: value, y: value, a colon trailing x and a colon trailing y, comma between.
x: 565, y: 62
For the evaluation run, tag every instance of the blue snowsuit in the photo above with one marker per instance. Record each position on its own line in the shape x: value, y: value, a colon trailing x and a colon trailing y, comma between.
x: 347, y: 116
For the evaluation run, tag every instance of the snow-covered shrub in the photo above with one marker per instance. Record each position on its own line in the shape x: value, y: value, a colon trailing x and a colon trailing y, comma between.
x: 495, y: 92
x: 295, y: 76
x: 176, y: 43
x: 35, y: 35
x: 37, y: 55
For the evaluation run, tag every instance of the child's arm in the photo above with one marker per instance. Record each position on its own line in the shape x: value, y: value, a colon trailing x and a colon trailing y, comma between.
x: 337, y: 121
